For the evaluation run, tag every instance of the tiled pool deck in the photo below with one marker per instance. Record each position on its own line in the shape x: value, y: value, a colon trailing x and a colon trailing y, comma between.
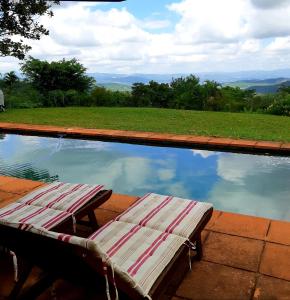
x: 244, y: 257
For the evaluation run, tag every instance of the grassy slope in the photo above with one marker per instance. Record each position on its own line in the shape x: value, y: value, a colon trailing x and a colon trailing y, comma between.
x: 236, y: 125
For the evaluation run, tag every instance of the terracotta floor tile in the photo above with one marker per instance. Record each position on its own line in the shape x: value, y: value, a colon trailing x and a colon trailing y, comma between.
x: 276, y: 261
x: 243, y: 143
x: 199, y: 139
x: 215, y: 215
x: 161, y: 137
x: 86, y: 132
x: 285, y: 146
x: 137, y: 134
x: 204, y: 235
x: 279, y: 232
x: 268, y: 145
x: 181, y: 138
x: 208, y: 281
x: 7, y: 179
x: 118, y: 202
x: 242, y: 225
x: 271, y: 288
x: 7, y: 198
x: 233, y: 251
x: 19, y: 186
x: 219, y: 142
x: 104, y: 216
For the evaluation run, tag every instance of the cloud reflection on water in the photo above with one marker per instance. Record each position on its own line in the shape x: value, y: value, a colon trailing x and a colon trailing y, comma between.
x: 256, y: 185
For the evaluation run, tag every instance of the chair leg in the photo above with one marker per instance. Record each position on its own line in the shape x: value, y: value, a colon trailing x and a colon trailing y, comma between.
x: 93, y: 221
x: 25, y: 269
x: 199, y: 252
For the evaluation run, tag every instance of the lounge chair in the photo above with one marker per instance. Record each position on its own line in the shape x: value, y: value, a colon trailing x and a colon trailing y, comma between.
x: 57, y: 204
x: 139, y: 252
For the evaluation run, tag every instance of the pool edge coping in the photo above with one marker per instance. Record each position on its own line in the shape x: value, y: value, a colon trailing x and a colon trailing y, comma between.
x: 153, y: 138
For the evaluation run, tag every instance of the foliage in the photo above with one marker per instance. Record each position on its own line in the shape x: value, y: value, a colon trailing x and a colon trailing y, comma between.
x: 58, y: 75
x: 280, y: 106
x: 187, y: 93
x: 23, y: 95
x: 10, y: 79
x: 19, y: 19
x: 65, y: 83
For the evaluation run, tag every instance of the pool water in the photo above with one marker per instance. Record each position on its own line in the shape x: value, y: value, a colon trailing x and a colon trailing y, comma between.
x: 249, y: 184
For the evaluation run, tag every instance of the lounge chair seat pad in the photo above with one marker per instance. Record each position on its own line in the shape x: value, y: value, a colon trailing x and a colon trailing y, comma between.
x: 62, y: 196
x: 138, y: 254
x: 168, y: 214
x: 20, y: 214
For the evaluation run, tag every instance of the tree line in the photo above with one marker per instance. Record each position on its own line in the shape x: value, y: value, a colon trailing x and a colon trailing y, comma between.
x: 65, y: 83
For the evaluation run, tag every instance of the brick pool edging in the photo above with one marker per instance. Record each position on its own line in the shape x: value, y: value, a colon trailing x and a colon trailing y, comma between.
x: 202, y: 142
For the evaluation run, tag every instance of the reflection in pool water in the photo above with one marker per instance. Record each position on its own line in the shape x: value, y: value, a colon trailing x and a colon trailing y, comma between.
x: 249, y: 184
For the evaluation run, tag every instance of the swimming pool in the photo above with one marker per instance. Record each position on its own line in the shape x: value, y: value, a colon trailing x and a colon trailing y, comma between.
x: 249, y: 184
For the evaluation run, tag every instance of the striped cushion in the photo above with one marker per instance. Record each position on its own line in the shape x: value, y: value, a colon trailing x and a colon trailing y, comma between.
x: 62, y: 196
x: 167, y: 214
x: 72, y: 239
x: 19, y: 214
x: 139, y: 254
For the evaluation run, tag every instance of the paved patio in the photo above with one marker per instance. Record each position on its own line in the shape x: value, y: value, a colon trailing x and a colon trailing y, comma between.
x: 244, y: 257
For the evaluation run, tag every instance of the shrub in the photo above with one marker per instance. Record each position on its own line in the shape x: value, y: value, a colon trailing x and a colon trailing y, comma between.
x: 280, y: 106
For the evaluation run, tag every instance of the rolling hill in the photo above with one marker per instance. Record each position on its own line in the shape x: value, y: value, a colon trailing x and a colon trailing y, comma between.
x: 116, y: 86
x: 268, y: 89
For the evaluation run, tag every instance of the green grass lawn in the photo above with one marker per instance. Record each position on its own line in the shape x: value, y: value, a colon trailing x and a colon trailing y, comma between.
x: 234, y: 125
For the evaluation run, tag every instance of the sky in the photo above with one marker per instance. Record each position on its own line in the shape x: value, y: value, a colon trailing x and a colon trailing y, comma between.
x: 167, y: 36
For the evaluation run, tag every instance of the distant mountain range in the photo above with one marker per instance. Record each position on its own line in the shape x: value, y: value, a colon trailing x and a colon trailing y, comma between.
x: 221, y: 77
x: 264, y: 86
x: 261, y: 81
x: 116, y: 86
x: 269, y: 89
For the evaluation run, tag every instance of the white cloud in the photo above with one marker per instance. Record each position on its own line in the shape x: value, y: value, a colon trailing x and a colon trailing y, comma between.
x: 252, y: 185
x: 166, y: 174
x: 204, y: 153
x: 156, y: 24
x: 268, y: 4
x: 236, y: 168
x: 209, y: 35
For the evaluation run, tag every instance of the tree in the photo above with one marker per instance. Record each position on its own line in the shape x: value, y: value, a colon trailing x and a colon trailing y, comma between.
x: 187, y: 93
x: 10, y: 79
x: 57, y: 79
x: 212, y: 96
x: 100, y: 97
x: 141, y: 95
x: 19, y: 19
x: 160, y: 94
x: 284, y: 89
x: 57, y: 75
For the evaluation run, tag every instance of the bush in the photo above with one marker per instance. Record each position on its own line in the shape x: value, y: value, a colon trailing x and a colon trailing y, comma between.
x: 280, y: 106
x: 23, y: 95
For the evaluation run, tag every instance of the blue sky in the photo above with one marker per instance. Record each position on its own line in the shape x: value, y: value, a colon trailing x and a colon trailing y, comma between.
x: 143, y: 9
x: 167, y: 36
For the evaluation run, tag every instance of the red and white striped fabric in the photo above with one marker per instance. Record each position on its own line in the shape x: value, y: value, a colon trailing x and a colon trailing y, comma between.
x: 23, y: 214
x: 165, y: 213
x: 62, y: 196
x: 142, y: 241
x: 138, y: 244
x: 138, y: 254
